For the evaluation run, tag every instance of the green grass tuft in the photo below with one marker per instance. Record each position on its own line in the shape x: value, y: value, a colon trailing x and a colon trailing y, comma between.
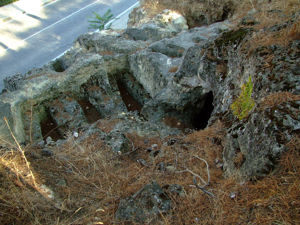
x: 244, y: 103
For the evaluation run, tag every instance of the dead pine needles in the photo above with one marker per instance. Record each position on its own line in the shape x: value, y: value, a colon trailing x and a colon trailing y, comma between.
x: 22, y: 152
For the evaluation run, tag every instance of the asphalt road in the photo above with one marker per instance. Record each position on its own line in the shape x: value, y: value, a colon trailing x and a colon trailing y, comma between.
x: 48, y: 33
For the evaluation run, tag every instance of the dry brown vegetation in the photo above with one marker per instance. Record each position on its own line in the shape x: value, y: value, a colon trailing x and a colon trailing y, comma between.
x: 275, y: 99
x: 269, y: 14
x: 197, y: 12
x: 95, y: 180
x: 89, y: 181
x: 266, y: 13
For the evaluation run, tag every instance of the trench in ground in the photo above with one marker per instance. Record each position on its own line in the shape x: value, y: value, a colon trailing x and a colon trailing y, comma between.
x: 49, y: 128
x: 91, y: 113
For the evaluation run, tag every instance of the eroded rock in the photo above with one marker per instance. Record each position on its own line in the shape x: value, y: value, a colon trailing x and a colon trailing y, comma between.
x: 164, y: 25
x: 145, y: 206
x: 159, y: 79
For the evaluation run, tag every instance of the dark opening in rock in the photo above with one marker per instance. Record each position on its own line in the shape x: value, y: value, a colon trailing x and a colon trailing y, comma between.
x: 129, y: 101
x: 50, y: 129
x: 91, y: 113
x: 58, y: 65
x: 226, y: 12
x: 200, y: 119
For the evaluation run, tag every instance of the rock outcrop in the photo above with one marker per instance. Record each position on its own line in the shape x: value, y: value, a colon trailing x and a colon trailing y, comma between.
x: 144, y: 206
x: 160, y: 79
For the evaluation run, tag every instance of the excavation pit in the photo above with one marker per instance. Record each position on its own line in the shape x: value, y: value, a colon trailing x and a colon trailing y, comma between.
x: 49, y: 128
x: 91, y: 113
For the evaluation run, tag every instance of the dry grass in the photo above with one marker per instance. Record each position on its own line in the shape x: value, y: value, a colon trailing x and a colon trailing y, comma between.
x: 281, y: 37
x: 89, y: 181
x: 197, y: 12
x: 95, y: 180
x: 271, y: 14
x: 275, y: 99
x: 267, y: 14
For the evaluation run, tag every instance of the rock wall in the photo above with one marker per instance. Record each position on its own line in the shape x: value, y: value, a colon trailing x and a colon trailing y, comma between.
x: 161, y: 79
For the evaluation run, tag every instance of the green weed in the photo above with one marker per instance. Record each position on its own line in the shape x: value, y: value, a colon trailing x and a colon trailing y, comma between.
x: 244, y: 103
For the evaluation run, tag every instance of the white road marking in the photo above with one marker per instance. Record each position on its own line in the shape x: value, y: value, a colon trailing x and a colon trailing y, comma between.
x: 107, y: 24
x: 121, y: 14
x: 50, y: 3
x: 46, y: 28
x: 72, y: 14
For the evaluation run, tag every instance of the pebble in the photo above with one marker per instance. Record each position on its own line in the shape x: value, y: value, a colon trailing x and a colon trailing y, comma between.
x: 47, y: 152
x: 154, y: 146
x: 61, y: 183
x: 142, y: 162
x: 171, y: 169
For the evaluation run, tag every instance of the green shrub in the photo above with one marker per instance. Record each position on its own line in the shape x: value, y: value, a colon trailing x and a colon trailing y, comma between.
x: 98, y: 22
x: 5, y: 2
x: 244, y: 103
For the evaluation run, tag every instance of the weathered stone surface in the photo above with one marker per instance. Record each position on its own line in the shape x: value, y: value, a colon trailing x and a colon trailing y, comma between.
x: 197, y: 13
x: 132, y: 123
x: 137, y: 17
x: 166, y: 19
x: 118, y: 142
x: 148, y: 86
x: 108, y: 44
x: 253, y: 144
x: 151, y: 70
x: 145, y: 206
x: 157, y: 69
x: 253, y: 147
x: 5, y: 112
x: 164, y: 25
x: 67, y: 113
x: 47, y: 85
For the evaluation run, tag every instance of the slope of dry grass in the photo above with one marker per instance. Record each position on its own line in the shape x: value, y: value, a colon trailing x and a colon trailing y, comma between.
x: 88, y: 182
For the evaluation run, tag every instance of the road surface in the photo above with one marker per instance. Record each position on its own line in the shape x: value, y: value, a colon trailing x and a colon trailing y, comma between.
x: 34, y: 38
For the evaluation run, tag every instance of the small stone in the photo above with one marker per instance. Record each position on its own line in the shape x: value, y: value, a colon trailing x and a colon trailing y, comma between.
x: 171, y: 169
x: 142, y: 162
x: 161, y: 166
x: 75, y: 134
x: 252, y: 11
x: 41, y: 144
x: 232, y: 195
x: 119, y: 142
x: 149, y: 149
x: 61, y: 183
x: 46, y: 191
x: 33, y: 155
x: 219, y: 165
x: 154, y: 146
x: 49, y: 140
x: 171, y: 141
x: 175, y: 189
x: 47, y: 152
x: 59, y: 142
x: 145, y: 205
x: 154, y: 153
